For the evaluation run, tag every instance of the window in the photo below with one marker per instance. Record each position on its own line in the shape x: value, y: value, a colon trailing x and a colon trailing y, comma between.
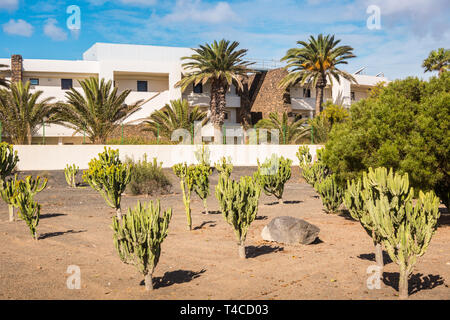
x: 142, y: 86
x: 352, y: 95
x: 306, y: 93
x: 198, y: 88
x: 66, y: 84
x: 34, y: 82
x: 226, y: 115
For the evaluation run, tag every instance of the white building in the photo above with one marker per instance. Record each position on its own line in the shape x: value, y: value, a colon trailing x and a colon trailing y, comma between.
x: 150, y: 72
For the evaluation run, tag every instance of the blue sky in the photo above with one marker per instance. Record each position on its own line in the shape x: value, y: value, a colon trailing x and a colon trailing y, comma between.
x: 410, y: 29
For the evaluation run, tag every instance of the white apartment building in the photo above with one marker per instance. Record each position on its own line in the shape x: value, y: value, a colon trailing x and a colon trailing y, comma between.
x: 150, y: 72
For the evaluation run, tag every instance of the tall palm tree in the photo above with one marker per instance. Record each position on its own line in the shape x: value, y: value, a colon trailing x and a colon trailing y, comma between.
x: 22, y: 114
x: 3, y: 81
x: 98, y: 110
x: 289, y: 131
x: 437, y: 61
x: 177, y: 115
x: 315, y: 63
x: 221, y: 64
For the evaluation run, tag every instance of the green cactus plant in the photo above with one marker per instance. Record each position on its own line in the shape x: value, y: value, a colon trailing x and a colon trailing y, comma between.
x: 70, y: 172
x: 203, y: 155
x: 312, y: 172
x: 238, y: 203
x: 9, y: 193
x: 330, y: 193
x: 273, y: 174
x: 354, y: 200
x: 29, y: 210
x: 186, y: 175
x: 109, y: 176
x: 201, y: 182
x: 405, y: 229
x: 224, y: 167
x: 8, y: 160
x: 33, y: 186
x: 138, y: 237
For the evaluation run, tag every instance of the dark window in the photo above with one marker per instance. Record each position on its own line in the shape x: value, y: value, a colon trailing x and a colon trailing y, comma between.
x: 198, y: 88
x: 142, y: 86
x: 256, y: 116
x: 226, y: 115
x: 66, y: 84
x: 306, y: 93
x: 34, y: 82
x: 352, y: 95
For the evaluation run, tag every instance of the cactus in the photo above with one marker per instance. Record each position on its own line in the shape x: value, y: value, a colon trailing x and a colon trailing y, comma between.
x: 312, y: 172
x: 186, y: 175
x: 8, y: 160
x: 330, y: 193
x: 354, y: 200
x: 273, y: 174
x: 224, y: 167
x: 139, y: 235
x: 109, y: 176
x: 238, y: 202
x: 201, y: 182
x: 70, y: 172
x: 203, y: 155
x: 33, y: 186
x: 406, y: 229
x: 9, y: 193
x: 29, y: 210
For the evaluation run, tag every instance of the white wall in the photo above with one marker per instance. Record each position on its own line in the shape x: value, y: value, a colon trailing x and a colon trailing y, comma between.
x: 56, y: 157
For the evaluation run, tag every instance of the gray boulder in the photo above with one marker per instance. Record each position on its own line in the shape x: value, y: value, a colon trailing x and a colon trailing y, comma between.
x: 290, y: 230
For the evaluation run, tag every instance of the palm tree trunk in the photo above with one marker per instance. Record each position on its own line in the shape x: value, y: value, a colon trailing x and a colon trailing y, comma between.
x: 217, y: 107
x: 319, y: 99
x: 29, y: 137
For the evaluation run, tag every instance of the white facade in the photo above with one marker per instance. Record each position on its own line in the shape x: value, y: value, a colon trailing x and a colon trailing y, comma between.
x: 159, y: 68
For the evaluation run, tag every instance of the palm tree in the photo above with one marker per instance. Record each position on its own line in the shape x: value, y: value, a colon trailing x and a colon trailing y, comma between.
x: 21, y: 113
x: 222, y: 64
x: 177, y: 115
x: 3, y: 81
x: 437, y: 61
x: 98, y: 111
x: 290, y: 131
x: 315, y: 63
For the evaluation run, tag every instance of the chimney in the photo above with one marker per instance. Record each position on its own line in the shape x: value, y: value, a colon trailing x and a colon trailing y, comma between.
x: 16, y: 68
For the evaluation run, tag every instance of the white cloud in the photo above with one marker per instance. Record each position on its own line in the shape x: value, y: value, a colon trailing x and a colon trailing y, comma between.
x: 9, y: 4
x: 201, y: 12
x: 53, y: 31
x: 19, y: 27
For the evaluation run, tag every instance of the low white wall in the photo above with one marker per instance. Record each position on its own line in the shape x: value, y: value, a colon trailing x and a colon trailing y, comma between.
x: 56, y: 157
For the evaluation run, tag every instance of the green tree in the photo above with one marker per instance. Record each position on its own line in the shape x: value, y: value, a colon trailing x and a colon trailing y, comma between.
x: 98, y: 110
x: 438, y: 60
x: 324, y: 122
x: 220, y: 63
x: 22, y: 114
x: 290, y: 131
x: 177, y: 115
x: 316, y: 64
x: 404, y: 127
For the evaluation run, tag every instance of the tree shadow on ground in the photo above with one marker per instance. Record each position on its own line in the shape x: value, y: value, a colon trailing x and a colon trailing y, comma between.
x: 256, y: 251
x: 281, y: 203
x: 173, y: 277
x: 444, y: 219
x: 51, y: 215
x: 416, y: 283
x: 261, y: 218
x: 371, y: 257
x: 58, y: 233
x: 212, y: 212
x: 205, y: 223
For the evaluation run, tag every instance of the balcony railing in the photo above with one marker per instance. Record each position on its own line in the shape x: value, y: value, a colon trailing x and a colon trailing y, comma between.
x: 303, y: 103
x: 203, y: 100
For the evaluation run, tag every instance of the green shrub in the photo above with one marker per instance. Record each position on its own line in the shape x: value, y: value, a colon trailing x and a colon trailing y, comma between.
x: 8, y: 160
x: 70, y: 173
x: 403, y: 126
x: 147, y: 178
x: 201, y: 182
x: 224, y: 167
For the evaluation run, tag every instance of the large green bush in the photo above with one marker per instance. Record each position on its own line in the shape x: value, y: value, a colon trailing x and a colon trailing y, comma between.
x: 404, y: 126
